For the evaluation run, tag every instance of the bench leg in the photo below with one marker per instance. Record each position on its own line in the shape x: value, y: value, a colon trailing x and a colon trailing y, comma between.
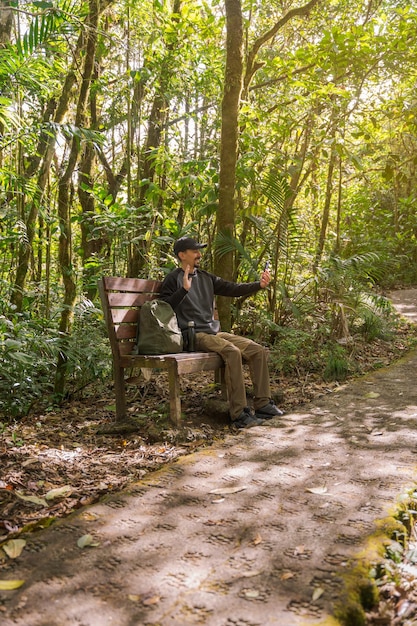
x: 120, y: 392
x: 174, y: 394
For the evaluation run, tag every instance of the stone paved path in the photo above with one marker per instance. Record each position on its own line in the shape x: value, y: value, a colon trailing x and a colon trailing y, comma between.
x: 257, y: 530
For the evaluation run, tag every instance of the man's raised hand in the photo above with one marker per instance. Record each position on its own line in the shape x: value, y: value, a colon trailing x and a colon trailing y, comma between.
x: 187, y: 280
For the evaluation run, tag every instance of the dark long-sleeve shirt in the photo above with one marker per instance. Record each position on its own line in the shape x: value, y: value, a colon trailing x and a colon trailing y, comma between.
x: 197, y: 303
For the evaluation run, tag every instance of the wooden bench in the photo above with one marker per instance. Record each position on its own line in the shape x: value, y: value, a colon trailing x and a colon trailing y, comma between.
x: 121, y: 299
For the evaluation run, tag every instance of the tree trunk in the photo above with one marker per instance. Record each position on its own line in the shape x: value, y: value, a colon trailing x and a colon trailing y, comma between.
x: 235, y: 82
x: 326, y: 209
x: 229, y: 146
x: 65, y: 201
x: 329, y: 187
x: 6, y: 21
x: 91, y: 245
x: 41, y: 162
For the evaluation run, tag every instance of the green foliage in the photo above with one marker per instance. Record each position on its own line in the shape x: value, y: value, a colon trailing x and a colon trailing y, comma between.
x: 29, y: 348
x: 28, y: 352
x: 296, y: 350
x: 87, y: 350
x: 374, y: 326
x: 337, y: 366
x: 371, y: 214
x: 345, y: 287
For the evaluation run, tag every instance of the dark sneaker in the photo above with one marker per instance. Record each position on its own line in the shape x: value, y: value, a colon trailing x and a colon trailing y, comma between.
x: 268, y: 411
x: 247, y: 420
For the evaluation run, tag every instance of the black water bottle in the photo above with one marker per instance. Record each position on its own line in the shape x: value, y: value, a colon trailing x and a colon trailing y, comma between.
x: 191, y: 337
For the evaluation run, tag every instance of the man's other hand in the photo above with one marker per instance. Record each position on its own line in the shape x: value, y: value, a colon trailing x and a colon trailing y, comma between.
x: 265, y: 279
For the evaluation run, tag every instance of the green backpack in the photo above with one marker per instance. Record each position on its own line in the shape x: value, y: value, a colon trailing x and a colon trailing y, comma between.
x: 158, y: 330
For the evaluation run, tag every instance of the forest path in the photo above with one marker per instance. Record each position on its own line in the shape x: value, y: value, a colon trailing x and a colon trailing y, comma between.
x: 259, y: 529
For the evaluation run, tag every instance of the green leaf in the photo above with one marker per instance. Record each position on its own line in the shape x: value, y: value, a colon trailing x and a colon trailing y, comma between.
x: 22, y: 358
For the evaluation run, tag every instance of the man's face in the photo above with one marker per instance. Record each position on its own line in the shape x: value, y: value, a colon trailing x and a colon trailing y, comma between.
x: 191, y: 258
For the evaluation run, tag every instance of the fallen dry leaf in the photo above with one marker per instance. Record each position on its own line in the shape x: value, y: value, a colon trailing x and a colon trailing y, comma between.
x: 33, y: 499
x: 317, y: 593
x: 6, y: 585
x: 317, y: 490
x: 58, y: 492
x: 14, y: 548
x: 89, y: 517
x: 87, y: 541
x: 372, y: 394
x: 150, y: 601
x: 251, y: 574
x: 226, y: 490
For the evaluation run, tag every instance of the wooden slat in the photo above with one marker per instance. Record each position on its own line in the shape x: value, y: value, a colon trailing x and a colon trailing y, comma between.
x: 187, y: 362
x: 141, y: 285
x: 210, y: 361
x: 141, y: 360
x: 128, y: 299
x: 127, y: 331
x: 120, y: 316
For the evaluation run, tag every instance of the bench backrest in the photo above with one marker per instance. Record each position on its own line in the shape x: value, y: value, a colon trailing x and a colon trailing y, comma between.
x: 121, y: 299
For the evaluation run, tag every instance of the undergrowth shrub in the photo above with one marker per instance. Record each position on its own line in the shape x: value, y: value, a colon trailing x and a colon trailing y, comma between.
x: 29, y: 348
x: 336, y: 363
x: 88, y: 349
x: 373, y: 326
x: 295, y: 351
x: 28, y: 353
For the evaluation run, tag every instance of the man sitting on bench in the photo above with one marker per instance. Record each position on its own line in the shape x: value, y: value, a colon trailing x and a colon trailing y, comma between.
x: 190, y: 291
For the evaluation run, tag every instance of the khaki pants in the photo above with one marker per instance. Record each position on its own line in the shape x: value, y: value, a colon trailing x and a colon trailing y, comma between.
x: 233, y: 349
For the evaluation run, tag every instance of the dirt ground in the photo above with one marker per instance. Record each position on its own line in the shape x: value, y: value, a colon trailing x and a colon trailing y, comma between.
x: 210, y: 526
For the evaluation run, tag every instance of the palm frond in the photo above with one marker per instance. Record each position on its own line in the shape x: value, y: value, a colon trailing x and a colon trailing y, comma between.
x: 224, y: 244
x: 276, y: 190
x: 8, y: 117
x: 38, y: 33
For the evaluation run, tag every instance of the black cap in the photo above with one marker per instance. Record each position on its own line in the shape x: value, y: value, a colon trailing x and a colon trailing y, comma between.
x: 187, y: 243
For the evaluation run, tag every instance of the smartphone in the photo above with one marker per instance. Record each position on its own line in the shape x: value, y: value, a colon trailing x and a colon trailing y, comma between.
x: 266, y: 268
